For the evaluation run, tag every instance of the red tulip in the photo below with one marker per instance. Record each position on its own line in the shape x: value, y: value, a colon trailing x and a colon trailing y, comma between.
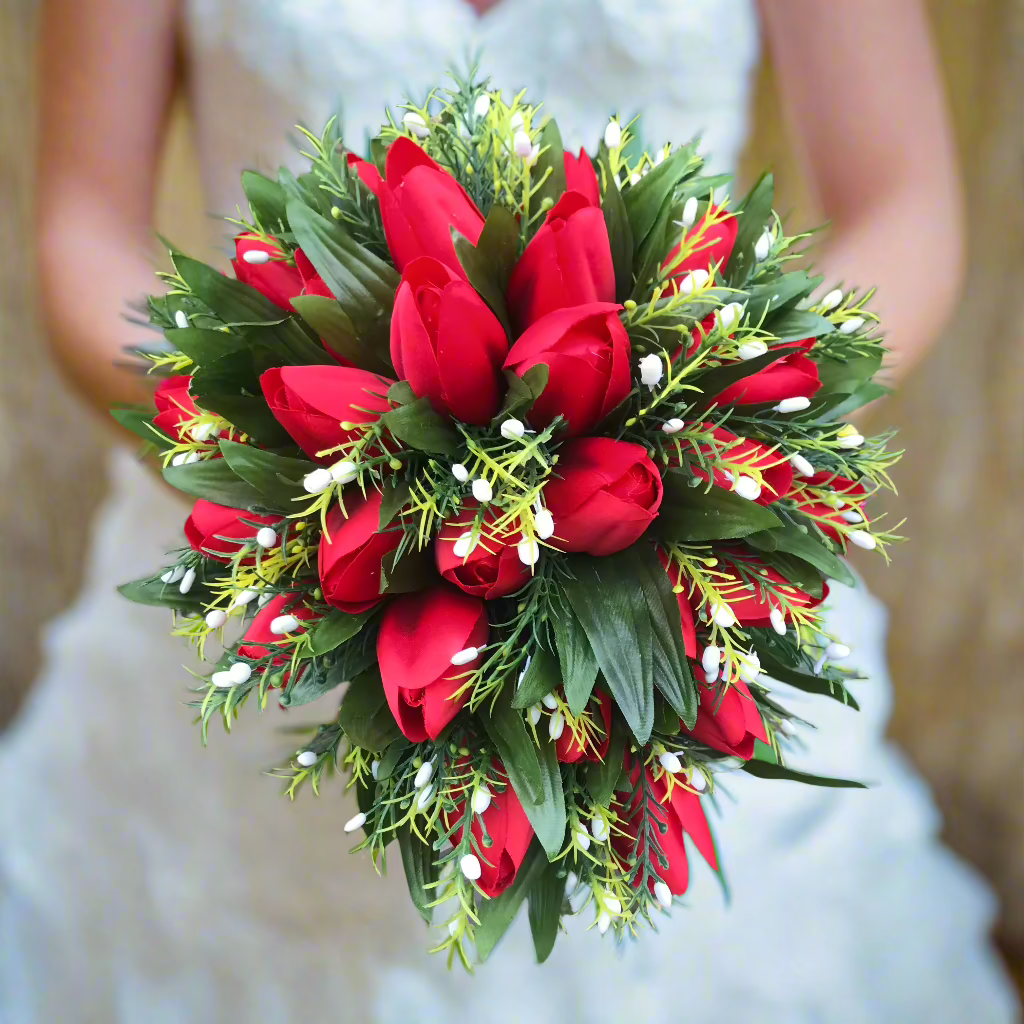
x: 420, y: 204
x: 792, y: 376
x: 729, y: 722
x: 581, y: 177
x: 734, y: 457
x: 684, y: 597
x: 175, y: 406
x: 311, y: 403
x: 419, y: 635
x: 809, y: 495
x: 219, y: 532
x: 714, y: 248
x: 605, y: 496
x: 678, y: 810
x: 447, y: 344
x: 567, y: 263
x: 368, y: 173
x: 491, y: 568
x: 587, y: 352
x: 351, y: 553
x: 277, y: 279
x: 754, y: 607
x: 510, y: 833
x: 569, y: 748
x: 260, y: 641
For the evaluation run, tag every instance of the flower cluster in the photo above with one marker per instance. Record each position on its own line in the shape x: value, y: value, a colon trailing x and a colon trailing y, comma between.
x: 537, y: 458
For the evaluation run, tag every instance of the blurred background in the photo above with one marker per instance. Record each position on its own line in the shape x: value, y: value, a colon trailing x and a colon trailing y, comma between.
x: 955, y: 587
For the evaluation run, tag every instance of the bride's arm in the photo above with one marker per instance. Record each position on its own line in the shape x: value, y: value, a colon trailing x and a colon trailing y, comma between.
x: 106, y: 77
x: 864, y: 102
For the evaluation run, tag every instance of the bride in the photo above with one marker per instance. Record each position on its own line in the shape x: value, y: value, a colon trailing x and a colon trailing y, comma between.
x: 145, y: 879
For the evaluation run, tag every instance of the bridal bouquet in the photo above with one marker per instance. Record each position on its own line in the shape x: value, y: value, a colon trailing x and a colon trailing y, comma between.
x: 536, y: 460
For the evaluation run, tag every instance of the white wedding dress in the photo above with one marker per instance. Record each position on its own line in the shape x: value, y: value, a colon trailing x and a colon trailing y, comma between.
x: 145, y: 879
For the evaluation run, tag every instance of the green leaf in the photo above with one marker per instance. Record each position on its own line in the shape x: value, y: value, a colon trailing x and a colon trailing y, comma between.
x: 331, y: 322
x: 363, y: 284
x: 420, y: 871
x: 790, y: 539
x: 204, y: 346
x: 390, y: 758
x: 214, y: 480
x: 754, y: 214
x: 797, y: 325
x: 311, y: 685
x: 763, y: 752
x: 546, y: 898
x: 488, y: 264
x: 277, y: 478
x: 652, y: 194
x: 420, y: 426
x: 767, y: 770
x: 497, y: 914
x: 335, y: 629
x: 864, y: 395
x: 781, y: 291
x: 266, y: 198
x: 603, y: 776
x: 395, y: 494
x: 165, y: 595
x: 365, y: 716
x: 541, y: 678
x: 533, y: 772
x: 847, y: 376
x: 796, y: 571
x: 522, y: 392
x: 695, y: 514
x: 140, y: 423
x: 620, y: 234
x: 552, y: 156
x: 577, y: 662
x: 618, y: 626
x: 714, y: 381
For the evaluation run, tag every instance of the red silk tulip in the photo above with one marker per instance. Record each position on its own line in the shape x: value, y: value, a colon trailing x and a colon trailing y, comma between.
x: 174, y: 406
x: 607, y: 493
x: 567, y: 263
x: 754, y: 607
x: 675, y: 577
x: 351, y: 553
x: 714, y: 248
x: 679, y: 811
x: 447, y: 344
x: 277, y: 279
x: 368, y: 173
x: 794, y: 375
x: 569, y: 749
x: 489, y: 568
x: 420, y: 204
x: 728, y: 722
x: 419, y: 635
x: 809, y: 493
x: 581, y: 177
x: 510, y: 834
x: 587, y: 352
x: 311, y: 403
x: 218, y: 531
x: 260, y: 641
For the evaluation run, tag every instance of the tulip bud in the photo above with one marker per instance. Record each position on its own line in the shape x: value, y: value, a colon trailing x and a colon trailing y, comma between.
x: 613, y: 134
x: 513, y: 429
x: 582, y: 837
x: 522, y: 144
x: 423, y: 775
x: 763, y: 246
x: 855, y: 323
x: 222, y: 679
x: 244, y: 597
x: 696, y: 780
x: 831, y: 300
x: 516, y: 123
x: 180, y: 319
x: 528, y: 551
x: 344, y: 472
x: 670, y: 762
x: 284, y: 624
x: 862, y: 539
x: 778, y: 621
x: 318, y: 481
x: 481, y: 799
x: 534, y: 714
x: 202, y: 431
x: 465, y: 545
x: 173, y: 575
x: 482, y: 105
x: 837, y: 651
x: 187, y: 580
x: 482, y: 489
x: 795, y: 404
x: 544, y: 524
x: 240, y: 672
x: 728, y: 316
x: 663, y: 894
x: 752, y: 349
x: 599, y: 829
x: 415, y: 124
x: 672, y: 426
x: 307, y: 758
x: 470, y: 867
x: 721, y: 615
x: 460, y: 472
x: 652, y: 369
x: 747, y: 487
x: 464, y: 657
x: 425, y: 798
x: 689, y: 212
x: 711, y: 658
x: 179, y: 459
x: 801, y: 465
x: 603, y: 922
x: 256, y: 256
x: 356, y: 821
x: 748, y: 666
x: 266, y: 537
x: 571, y: 881
x: 556, y: 725
x: 216, y: 618
x: 374, y: 769
x: 694, y: 281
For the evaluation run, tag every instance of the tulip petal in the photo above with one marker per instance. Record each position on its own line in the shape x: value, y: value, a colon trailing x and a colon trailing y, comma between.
x: 795, y: 375
x: 277, y: 279
x: 581, y: 177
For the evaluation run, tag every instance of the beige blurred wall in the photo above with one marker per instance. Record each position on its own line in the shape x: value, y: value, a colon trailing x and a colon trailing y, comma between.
x: 955, y: 587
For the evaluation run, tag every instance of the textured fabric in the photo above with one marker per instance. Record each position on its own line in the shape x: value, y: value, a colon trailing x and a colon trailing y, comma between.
x: 144, y: 879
